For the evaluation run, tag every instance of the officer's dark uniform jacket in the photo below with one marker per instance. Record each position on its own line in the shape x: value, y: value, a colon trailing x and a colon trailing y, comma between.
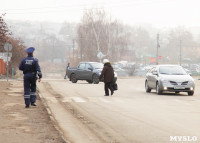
x: 29, y: 65
x: 30, y: 68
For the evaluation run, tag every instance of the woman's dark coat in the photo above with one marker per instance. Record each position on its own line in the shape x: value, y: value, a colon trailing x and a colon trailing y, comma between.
x: 107, y: 73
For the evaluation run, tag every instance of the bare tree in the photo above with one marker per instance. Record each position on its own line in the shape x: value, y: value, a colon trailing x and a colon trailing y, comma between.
x: 181, y: 38
x: 4, y: 32
x: 97, y: 33
x: 18, y: 52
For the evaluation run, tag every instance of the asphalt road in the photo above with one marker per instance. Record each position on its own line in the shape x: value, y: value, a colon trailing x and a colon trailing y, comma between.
x: 84, y: 114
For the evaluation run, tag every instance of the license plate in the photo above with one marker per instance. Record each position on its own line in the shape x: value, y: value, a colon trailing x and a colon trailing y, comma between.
x: 179, y: 87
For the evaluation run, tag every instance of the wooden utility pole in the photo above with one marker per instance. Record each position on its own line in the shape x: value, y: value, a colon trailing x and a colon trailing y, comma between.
x: 81, y: 46
x: 180, y: 52
x: 158, y: 46
x: 73, y: 50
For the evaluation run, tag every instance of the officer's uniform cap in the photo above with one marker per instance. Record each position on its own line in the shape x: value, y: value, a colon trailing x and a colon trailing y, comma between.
x: 30, y: 50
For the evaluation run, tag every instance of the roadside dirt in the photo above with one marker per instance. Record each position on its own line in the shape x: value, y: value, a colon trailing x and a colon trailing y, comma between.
x: 21, y: 125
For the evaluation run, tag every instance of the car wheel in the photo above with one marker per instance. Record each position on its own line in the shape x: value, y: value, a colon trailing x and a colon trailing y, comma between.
x: 89, y: 81
x: 190, y: 93
x: 95, y: 79
x: 158, y: 90
x: 147, y: 87
x: 73, y: 78
x: 177, y: 92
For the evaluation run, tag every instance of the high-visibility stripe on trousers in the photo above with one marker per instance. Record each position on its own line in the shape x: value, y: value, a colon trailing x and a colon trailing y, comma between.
x: 29, y: 88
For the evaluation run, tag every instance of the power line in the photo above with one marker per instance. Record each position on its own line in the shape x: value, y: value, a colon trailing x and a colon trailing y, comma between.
x: 84, y: 5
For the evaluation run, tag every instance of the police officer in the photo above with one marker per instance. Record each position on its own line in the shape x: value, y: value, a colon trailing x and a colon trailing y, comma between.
x: 30, y: 68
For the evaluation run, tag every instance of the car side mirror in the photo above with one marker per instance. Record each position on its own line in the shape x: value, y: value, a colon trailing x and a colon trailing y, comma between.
x: 90, y: 69
x: 155, y: 73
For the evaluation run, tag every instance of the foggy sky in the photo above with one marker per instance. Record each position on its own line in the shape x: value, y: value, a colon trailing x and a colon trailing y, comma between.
x: 161, y: 13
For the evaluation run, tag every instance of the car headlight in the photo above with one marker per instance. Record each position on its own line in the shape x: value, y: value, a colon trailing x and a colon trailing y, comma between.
x: 190, y: 82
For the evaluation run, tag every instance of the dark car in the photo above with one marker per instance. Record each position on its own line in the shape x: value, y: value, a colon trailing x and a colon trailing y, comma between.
x: 171, y: 78
x: 89, y: 71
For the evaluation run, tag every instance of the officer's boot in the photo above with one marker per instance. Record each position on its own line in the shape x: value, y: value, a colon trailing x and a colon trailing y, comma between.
x: 27, y: 102
x: 33, y: 99
x: 33, y: 104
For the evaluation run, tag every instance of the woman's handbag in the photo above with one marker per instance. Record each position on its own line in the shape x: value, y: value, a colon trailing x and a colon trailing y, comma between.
x: 114, y: 86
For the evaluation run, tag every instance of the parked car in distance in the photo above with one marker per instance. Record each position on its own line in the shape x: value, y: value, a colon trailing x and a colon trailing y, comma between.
x: 172, y: 78
x: 89, y: 71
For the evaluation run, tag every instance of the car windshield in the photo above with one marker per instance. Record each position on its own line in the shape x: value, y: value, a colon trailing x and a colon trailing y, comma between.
x: 97, y: 65
x: 172, y: 70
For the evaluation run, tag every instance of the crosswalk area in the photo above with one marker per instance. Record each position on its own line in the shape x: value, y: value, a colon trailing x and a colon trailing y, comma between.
x: 118, y: 99
x: 110, y: 99
x: 90, y: 99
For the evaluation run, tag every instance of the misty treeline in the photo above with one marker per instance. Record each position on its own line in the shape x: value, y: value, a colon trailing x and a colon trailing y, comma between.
x: 17, y: 44
x: 99, y: 32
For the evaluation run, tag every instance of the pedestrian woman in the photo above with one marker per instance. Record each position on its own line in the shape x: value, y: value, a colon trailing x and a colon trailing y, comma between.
x: 108, y: 74
x: 30, y: 68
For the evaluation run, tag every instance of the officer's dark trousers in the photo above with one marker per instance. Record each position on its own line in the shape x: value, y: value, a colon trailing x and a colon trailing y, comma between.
x: 108, y: 86
x: 29, y: 88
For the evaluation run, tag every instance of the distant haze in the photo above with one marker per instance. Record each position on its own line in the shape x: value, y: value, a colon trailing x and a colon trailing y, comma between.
x: 159, y: 13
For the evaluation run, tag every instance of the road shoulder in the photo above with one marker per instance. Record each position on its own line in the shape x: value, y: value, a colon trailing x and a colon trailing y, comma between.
x: 19, y: 124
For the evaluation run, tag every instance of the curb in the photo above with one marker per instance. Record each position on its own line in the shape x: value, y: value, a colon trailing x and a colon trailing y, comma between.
x: 40, y: 97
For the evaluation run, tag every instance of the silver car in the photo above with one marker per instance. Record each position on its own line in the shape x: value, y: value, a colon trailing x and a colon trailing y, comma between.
x: 171, y: 78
